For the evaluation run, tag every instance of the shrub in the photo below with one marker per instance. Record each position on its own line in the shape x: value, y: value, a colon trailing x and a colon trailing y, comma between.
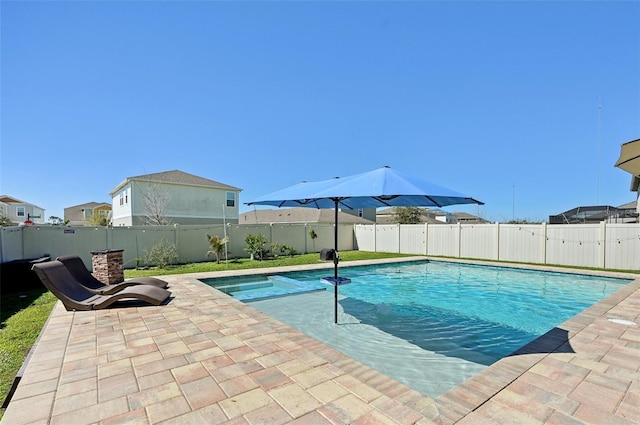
x: 162, y: 254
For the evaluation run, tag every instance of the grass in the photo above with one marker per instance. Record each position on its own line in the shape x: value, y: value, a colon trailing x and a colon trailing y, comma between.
x: 22, y: 317
x: 245, y: 263
x: 23, y: 314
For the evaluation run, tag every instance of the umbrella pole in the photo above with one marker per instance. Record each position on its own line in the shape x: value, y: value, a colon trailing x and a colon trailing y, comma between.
x: 335, y: 265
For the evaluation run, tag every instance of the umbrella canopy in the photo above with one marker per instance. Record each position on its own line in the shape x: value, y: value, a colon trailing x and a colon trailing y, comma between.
x: 629, y: 159
x: 383, y: 187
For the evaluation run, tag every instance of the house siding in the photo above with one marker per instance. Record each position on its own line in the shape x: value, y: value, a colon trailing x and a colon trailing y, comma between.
x: 188, y: 203
x: 33, y: 212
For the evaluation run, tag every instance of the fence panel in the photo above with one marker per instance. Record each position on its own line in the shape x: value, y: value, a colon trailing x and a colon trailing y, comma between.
x: 57, y: 241
x: 622, y: 247
x: 442, y: 240
x: 295, y: 235
x: 573, y: 245
x: 193, y: 244
x: 387, y: 238
x: 413, y: 239
x: 11, y: 244
x: 479, y: 241
x: 365, y: 237
x: 522, y: 243
x: 238, y: 233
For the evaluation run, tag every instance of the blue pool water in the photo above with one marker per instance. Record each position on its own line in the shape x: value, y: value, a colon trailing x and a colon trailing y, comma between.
x: 430, y: 324
x: 263, y: 286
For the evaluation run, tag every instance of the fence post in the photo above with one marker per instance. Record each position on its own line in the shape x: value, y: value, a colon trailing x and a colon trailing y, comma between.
x: 497, y: 252
x: 375, y: 239
x: 602, y: 250
x: 458, y: 239
x: 426, y: 239
x: 543, y: 230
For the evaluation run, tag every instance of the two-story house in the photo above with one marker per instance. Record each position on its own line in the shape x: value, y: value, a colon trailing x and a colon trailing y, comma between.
x: 173, y: 197
x: 20, y: 212
x: 90, y: 213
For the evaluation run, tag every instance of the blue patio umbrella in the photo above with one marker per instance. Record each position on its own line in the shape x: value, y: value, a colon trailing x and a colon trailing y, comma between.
x: 382, y: 187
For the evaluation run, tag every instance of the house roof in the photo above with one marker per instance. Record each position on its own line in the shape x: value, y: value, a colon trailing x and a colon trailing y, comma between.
x: 629, y: 205
x: 90, y: 205
x: 11, y: 200
x: 176, y: 177
x: 299, y: 215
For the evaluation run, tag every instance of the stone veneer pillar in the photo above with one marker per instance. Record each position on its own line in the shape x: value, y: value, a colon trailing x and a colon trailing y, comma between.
x: 108, y: 266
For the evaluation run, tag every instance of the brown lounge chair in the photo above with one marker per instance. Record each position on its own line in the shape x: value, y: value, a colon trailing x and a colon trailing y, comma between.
x: 56, y: 278
x: 80, y: 272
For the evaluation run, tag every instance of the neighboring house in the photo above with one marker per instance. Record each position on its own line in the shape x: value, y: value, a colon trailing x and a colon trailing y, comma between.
x: 466, y: 218
x: 20, y: 211
x: 87, y: 214
x: 300, y: 215
x: 178, y: 197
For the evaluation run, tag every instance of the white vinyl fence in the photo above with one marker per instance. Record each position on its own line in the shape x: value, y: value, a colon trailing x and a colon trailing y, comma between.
x: 605, y: 246
x: 191, y: 241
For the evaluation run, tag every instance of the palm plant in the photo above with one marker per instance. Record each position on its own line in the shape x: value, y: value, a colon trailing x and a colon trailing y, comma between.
x: 216, y: 246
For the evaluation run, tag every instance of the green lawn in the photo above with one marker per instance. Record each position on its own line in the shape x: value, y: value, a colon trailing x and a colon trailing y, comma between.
x: 22, y: 315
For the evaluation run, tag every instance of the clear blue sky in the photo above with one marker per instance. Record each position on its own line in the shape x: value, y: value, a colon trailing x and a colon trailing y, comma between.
x: 496, y: 100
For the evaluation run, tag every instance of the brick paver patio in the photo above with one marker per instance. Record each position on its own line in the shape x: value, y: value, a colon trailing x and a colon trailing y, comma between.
x: 206, y: 358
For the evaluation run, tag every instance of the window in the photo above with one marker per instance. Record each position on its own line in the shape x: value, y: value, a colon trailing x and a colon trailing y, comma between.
x: 124, y: 197
x: 231, y: 199
x: 21, y: 212
x: 88, y: 213
x: 360, y: 212
x: 103, y: 213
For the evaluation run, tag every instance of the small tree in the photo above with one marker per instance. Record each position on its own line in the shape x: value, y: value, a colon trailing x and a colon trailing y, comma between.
x: 5, y: 221
x: 256, y: 246
x: 56, y: 221
x: 156, y: 202
x: 97, y: 220
x: 216, y: 246
x: 313, y: 235
x: 407, y: 215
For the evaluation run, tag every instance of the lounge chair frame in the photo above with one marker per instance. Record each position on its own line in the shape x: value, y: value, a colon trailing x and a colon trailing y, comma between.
x: 79, y: 271
x: 57, y: 279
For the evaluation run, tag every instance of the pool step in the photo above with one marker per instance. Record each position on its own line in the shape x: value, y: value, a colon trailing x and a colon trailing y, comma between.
x: 287, y: 280
x: 227, y: 289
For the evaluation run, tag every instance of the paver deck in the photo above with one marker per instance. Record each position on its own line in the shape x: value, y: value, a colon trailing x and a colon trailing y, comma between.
x: 206, y: 358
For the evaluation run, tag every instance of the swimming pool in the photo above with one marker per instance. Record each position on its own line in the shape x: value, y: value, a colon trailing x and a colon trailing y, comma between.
x: 431, y: 325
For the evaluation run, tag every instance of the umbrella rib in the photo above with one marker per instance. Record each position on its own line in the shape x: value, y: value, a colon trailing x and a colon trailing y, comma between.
x: 382, y: 201
x: 627, y: 160
x: 437, y: 204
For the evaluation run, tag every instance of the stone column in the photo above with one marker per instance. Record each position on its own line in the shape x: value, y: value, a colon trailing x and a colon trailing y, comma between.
x: 108, y: 266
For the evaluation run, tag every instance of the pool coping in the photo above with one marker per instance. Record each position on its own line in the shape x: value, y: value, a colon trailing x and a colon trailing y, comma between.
x: 585, y: 370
